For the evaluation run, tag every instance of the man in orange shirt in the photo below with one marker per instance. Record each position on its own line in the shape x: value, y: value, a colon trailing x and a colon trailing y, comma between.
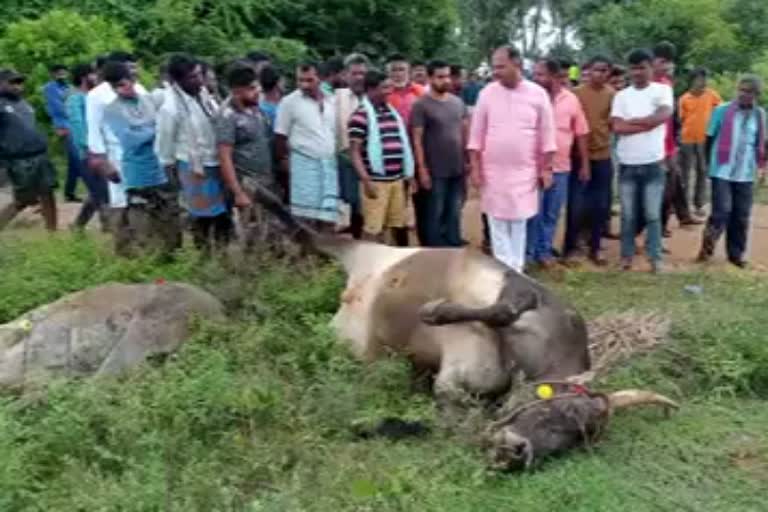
x: 695, y: 109
x: 405, y: 92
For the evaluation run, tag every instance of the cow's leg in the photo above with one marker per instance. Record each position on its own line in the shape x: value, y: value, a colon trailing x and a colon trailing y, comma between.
x: 443, y: 312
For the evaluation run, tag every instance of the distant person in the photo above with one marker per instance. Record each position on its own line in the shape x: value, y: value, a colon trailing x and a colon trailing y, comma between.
x: 150, y: 220
x: 695, y: 109
x: 211, y: 83
x: 332, y: 75
x: 675, y: 193
x: 440, y: 130
x: 472, y: 90
x: 618, y: 78
x: 348, y: 100
x: 84, y: 78
x: 104, y: 151
x: 571, y: 126
x: 186, y: 147
x: 419, y: 74
x: 24, y: 154
x: 162, y: 86
x: 511, y: 155
x: 55, y: 94
x: 590, y: 189
x: 271, y: 94
x: 258, y: 60
x: 458, y: 79
x: 243, y: 140
x: 404, y: 92
x: 639, y: 115
x: 381, y: 154
x: 305, y: 142
x: 565, y: 73
x: 736, y: 150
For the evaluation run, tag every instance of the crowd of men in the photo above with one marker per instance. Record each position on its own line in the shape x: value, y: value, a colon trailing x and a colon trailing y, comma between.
x: 376, y: 153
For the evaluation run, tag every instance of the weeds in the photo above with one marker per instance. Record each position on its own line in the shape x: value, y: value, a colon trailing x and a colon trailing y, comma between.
x: 254, y: 414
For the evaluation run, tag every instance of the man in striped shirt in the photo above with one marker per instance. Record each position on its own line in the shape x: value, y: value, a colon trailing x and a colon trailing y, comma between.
x: 381, y: 155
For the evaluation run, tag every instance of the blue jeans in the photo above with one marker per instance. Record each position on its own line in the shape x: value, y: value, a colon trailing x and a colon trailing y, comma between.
x: 589, y: 204
x: 643, y: 184
x: 98, y: 195
x: 74, y: 167
x: 442, y: 212
x: 541, y: 227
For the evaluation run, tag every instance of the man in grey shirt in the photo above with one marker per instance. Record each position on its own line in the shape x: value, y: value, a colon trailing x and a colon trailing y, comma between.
x: 243, y: 139
x: 440, y: 125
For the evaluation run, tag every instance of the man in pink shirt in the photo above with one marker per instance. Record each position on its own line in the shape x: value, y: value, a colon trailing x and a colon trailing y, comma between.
x: 511, y: 145
x: 570, y: 124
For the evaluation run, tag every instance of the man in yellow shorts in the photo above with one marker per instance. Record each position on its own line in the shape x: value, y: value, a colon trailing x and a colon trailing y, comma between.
x: 381, y: 155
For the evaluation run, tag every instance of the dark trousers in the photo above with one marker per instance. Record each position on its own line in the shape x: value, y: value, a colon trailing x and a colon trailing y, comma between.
x: 204, y: 229
x: 693, y: 158
x: 675, y: 195
x: 731, y: 211
x: 98, y: 197
x: 151, y: 221
x: 349, y: 191
x: 486, y: 232
x: 541, y: 227
x: 74, y: 167
x: 441, y: 215
x: 420, y: 212
x: 590, y: 200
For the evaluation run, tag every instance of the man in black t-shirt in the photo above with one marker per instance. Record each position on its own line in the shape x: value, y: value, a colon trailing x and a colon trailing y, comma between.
x: 24, y: 154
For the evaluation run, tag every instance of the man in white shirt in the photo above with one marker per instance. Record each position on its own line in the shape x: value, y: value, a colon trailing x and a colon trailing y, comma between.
x: 305, y: 142
x: 186, y: 146
x: 638, y: 116
x: 104, y: 151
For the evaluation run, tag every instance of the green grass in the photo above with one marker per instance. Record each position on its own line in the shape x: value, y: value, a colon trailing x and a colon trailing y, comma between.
x: 254, y: 414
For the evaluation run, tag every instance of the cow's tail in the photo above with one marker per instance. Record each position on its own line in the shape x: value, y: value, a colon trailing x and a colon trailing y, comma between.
x: 308, y: 238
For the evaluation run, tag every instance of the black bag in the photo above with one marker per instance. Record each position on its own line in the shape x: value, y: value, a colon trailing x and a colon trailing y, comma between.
x: 18, y: 140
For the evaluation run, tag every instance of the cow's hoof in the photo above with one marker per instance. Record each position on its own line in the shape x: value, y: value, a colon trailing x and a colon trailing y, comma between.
x: 429, y: 311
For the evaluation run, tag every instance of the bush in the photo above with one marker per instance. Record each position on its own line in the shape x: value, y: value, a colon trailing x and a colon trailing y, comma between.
x: 57, y: 37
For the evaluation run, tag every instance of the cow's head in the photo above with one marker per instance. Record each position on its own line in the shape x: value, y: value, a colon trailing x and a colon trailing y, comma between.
x: 557, y: 422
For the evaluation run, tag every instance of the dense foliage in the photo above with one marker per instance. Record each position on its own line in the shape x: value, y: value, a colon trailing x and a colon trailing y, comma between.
x: 31, y: 45
x: 223, y: 27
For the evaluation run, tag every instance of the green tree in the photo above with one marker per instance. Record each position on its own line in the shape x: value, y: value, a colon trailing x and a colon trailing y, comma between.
x: 221, y: 28
x: 58, y: 37
x: 697, y: 27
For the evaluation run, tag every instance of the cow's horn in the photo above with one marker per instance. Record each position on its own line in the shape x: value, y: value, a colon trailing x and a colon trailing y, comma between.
x: 632, y: 397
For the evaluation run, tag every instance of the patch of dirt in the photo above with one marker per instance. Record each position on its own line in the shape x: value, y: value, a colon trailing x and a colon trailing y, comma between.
x: 683, y: 246
x: 749, y: 457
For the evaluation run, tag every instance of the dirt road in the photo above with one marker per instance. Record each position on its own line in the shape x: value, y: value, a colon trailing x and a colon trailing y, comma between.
x: 683, y: 245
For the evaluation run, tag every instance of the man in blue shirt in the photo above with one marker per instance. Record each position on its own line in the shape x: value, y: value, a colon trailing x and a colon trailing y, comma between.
x: 55, y: 93
x: 735, y: 150
x: 151, y: 219
x: 84, y: 78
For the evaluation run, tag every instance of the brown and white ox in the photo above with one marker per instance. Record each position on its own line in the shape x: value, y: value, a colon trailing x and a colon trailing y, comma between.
x: 474, y: 323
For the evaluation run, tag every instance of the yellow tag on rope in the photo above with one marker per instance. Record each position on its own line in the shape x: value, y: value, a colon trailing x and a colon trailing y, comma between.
x: 544, y: 391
